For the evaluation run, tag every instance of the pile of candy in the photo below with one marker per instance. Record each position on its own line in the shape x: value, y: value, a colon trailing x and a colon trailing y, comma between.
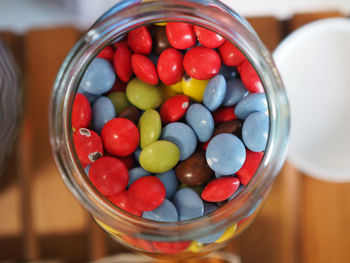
x: 170, y: 122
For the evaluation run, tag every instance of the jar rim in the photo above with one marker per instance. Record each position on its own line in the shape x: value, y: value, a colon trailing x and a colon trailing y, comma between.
x: 121, y: 18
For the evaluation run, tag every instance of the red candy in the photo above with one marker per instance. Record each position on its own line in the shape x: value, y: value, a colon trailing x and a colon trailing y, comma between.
x: 147, y: 193
x: 224, y: 114
x: 81, y: 112
x: 120, y: 137
x: 174, y: 108
x: 140, y: 41
x: 144, y: 69
x: 169, y: 67
x: 138, y: 242
x: 118, y: 86
x: 208, y: 38
x: 171, y: 247
x: 220, y: 189
x: 122, y: 201
x: 202, y: 63
x: 128, y: 161
x: 180, y: 35
x: 251, y: 164
x: 122, y: 63
x: 107, y: 53
x: 109, y: 175
x: 230, y: 54
x: 250, y: 78
x: 88, y: 145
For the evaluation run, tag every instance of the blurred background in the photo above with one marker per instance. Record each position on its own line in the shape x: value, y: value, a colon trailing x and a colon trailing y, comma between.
x: 304, y: 220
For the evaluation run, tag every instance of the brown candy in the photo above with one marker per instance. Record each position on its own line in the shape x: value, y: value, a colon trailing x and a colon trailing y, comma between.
x: 232, y: 127
x: 131, y: 113
x: 194, y: 170
x: 159, y: 38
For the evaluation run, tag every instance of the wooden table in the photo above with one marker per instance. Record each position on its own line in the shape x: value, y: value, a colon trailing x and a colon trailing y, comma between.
x: 304, y: 220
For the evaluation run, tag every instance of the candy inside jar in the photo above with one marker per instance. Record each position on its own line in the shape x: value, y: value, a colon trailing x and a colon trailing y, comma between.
x: 170, y: 123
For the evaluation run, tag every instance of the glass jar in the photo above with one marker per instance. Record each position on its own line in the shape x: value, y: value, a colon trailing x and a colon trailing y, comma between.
x: 150, y: 237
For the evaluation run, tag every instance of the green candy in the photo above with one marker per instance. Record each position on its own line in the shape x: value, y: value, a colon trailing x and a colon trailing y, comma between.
x: 142, y: 95
x: 159, y: 156
x: 119, y: 100
x: 150, y: 127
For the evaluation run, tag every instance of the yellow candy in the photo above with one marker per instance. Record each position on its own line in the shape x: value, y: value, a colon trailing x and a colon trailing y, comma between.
x: 150, y: 126
x: 229, y: 232
x: 195, y: 246
x: 194, y: 88
x: 168, y: 92
x: 160, y: 24
x: 107, y: 228
x: 177, y: 87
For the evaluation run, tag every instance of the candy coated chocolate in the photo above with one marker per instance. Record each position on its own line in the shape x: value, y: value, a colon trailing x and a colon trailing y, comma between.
x: 208, y: 38
x: 81, y: 112
x: 146, y: 193
x: 201, y: 63
x: 250, y: 78
x: 159, y: 39
x: 120, y: 137
x: 144, y: 69
x: 122, y: 63
x: 231, y: 55
x: 232, y: 127
x: 109, y: 175
x: 214, y: 93
x: 182, y: 136
x: 136, y: 173
x: 131, y: 113
x: 224, y: 114
x: 255, y: 102
x: 174, y: 108
x: 255, y: 131
x: 194, y: 170
x: 188, y: 204
x: 166, y: 212
x: 220, y: 189
x: 98, y: 78
x: 234, y: 93
x: 119, y: 100
x: 122, y: 201
x: 251, y: 164
x: 150, y: 127
x: 225, y: 154
x: 106, y: 53
x: 169, y: 67
x: 102, y: 112
x: 170, y: 182
x: 140, y: 41
x: 180, y: 35
x: 201, y: 121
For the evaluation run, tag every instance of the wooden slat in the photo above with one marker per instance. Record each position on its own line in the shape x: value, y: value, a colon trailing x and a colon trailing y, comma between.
x: 324, y: 207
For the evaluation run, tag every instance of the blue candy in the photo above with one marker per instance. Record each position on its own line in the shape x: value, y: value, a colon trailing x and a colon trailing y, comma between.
x: 255, y: 102
x: 225, y: 154
x: 90, y: 97
x: 209, y: 207
x: 87, y: 169
x: 255, y: 131
x: 98, y: 78
x: 183, y: 136
x: 188, y: 204
x: 166, y: 212
x: 137, y: 153
x: 201, y: 121
x: 214, y: 92
x: 136, y: 173
x: 170, y: 182
x: 228, y: 72
x: 235, y: 91
x: 218, y: 175
x: 102, y: 112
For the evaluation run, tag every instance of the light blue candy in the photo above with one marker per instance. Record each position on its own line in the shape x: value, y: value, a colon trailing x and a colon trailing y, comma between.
x: 137, y: 153
x: 166, y: 212
x: 170, y: 182
x: 102, y: 112
x: 98, y: 78
x: 188, y: 204
x: 183, y: 136
x: 225, y: 154
x: 255, y: 131
x: 87, y: 169
x: 235, y: 91
x: 90, y: 97
x: 214, y: 92
x: 201, y: 121
x: 136, y: 173
x: 209, y: 207
x: 255, y: 102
